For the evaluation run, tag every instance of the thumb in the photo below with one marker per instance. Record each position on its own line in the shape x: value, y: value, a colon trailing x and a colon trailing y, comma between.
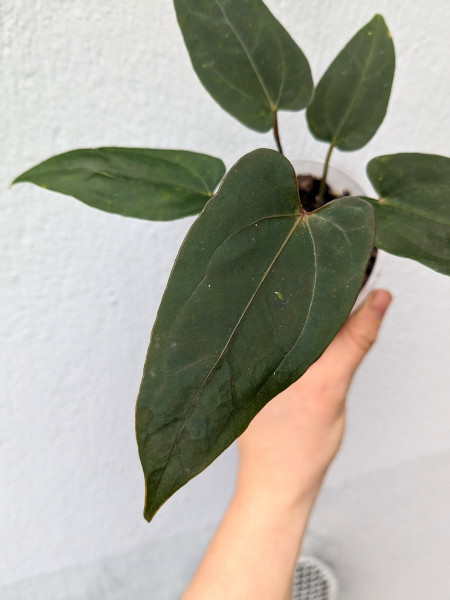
x: 358, y: 333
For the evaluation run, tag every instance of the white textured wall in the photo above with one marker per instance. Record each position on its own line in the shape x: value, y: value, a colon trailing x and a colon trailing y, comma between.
x: 80, y: 289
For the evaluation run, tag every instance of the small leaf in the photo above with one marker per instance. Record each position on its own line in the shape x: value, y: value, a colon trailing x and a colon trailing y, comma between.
x: 245, y: 59
x: 351, y: 99
x: 413, y: 212
x: 257, y: 292
x: 157, y: 185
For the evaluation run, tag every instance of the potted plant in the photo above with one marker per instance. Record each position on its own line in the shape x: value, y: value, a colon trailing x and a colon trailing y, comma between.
x: 268, y: 273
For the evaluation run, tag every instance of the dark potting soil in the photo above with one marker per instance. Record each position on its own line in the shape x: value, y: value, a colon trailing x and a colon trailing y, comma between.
x: 308, y: 189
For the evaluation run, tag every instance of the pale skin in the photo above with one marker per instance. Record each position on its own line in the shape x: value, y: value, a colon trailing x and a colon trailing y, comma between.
x: 283, y: 457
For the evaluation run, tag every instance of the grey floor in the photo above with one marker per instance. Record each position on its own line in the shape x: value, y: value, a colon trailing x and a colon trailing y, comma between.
x: 402, y: 504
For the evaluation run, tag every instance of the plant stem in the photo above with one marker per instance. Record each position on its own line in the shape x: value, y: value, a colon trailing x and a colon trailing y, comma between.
x: 276, y: 133
x: 324, y: 175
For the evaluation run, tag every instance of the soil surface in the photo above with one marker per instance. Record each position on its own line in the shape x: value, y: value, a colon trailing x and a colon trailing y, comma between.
x: 308, y: 189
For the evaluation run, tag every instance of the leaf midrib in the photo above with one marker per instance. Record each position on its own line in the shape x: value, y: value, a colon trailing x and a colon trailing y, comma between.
x: 248, y: 55
x: 360, y: 83
x: 104, y: 153
x: 227, y: 343
x: 428, y: 217
x: 122, y: 177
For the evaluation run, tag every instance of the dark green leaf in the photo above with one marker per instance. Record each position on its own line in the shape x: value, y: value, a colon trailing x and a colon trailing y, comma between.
x: 351, y: 99
x: 413, y: 212
x: 258, y: 290
x: 158, y: 185
x: 245, y: 59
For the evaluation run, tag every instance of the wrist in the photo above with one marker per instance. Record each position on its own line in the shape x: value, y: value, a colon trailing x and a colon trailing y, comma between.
x: 284, y: 488
x: 276, y: 495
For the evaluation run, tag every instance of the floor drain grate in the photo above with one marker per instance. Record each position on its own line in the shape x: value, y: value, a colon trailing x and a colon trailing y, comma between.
x: 313, y: 580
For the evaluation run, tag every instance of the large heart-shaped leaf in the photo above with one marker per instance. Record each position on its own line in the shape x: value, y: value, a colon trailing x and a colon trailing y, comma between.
x: 157, y: 185
x: 351, y: 99
x: 257, y: 292
x: 413, y: 212
x: 245, y: 59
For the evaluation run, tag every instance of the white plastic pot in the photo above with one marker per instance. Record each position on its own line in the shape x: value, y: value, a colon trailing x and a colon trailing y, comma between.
x: 341, y: 182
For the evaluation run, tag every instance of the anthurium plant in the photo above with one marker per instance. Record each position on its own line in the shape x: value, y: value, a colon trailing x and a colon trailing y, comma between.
x: 260, y: 285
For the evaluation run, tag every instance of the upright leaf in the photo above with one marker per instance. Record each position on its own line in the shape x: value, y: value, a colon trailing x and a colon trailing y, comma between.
x: 157, y: 185
x: 257, y: 292
x: 351, y: 99
x: 245, y: 59
x: 413, y: 211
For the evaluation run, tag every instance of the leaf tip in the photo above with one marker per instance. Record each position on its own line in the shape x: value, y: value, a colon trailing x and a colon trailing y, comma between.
x: 378, y: 18
x: 148, y: 515
x: 379, y: 21
x: 18, y: 179
x: 22, y: 178
x: 149, y: 509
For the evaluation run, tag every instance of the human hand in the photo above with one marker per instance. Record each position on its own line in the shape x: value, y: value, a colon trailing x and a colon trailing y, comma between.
x: 287, y: 448
x: 284, y: 454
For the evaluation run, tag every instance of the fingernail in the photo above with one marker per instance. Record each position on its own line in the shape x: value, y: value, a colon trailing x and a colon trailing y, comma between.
x: 379, y: 302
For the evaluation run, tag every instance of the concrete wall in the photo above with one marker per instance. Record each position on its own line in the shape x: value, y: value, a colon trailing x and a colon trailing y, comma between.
x: 80, y: 289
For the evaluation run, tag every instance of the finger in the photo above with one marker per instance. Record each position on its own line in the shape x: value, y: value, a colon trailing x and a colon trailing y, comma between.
x: 358, y: 333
